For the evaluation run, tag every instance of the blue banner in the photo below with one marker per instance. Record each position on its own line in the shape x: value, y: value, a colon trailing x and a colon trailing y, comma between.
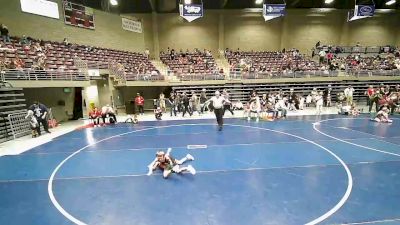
x: 365, y: 10
x: 275, y: 9
x: 272, y: 11
x: 191, y: 11
x: 361, y: 12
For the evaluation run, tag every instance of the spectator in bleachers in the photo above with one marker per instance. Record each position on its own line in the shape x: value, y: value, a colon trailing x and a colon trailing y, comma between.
x: 19, y: 66
x: 66, y: 42
x: 24, y: 40
x: 322, y: 55
x: 5, y: 33
x: 147, y: 53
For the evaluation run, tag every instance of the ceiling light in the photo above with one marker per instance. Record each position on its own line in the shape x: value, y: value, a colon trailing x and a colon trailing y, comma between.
x: 390, y: 2
x: 328, y: 1
x: 113, y: 2
x: 188, y: 2
x: 258, y: 2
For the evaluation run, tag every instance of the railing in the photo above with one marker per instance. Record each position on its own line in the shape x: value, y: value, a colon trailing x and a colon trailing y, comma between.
x: 199, y: 77
x: 369, y: 73
x: 354, y: 49
x: 44, y: 75
x: 118, y: 72
x: 19, y: 126
x: 234, y: 74
x: 144, y: 77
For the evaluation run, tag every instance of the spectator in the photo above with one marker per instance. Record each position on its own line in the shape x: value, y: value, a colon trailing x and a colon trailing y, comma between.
x: 19, y: 65
x: 348, y: 93
x: 40, y: 111
x: 24, y: 40
x: 147, y: 53
x: 66, y: 42
x: 4, y: 33
x: 95, y: 115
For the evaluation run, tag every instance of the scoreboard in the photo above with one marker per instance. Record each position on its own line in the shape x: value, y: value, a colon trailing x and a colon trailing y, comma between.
x: 78, y: 15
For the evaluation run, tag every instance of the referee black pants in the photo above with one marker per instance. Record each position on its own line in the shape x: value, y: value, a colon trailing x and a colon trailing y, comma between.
x: 219, y: 113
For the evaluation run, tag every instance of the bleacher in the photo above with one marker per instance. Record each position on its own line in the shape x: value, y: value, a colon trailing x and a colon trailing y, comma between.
x: 60, y: 57
x: 191, y: 65
x: 12, y: 102
x: 269, y: 63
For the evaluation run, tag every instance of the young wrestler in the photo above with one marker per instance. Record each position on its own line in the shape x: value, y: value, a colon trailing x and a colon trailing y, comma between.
x: 33, y: 123
x: 158, y: 113
x: 166, y: 163
x: 383, y: 116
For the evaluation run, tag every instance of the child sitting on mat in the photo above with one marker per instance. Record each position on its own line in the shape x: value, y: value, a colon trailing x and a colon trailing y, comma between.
x: 166, y: 163
x: 383, y: 115
x: 158, y: 113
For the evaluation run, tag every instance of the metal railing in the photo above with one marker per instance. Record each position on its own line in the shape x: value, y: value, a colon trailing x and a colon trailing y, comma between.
x: 199, y: 77
x: 144, y: 77
x: 118, y: 72
x: 19, y: 126
x: 29, y: 74
x: 354, y: 49
x: 369, y: 73
x: 234, y: 74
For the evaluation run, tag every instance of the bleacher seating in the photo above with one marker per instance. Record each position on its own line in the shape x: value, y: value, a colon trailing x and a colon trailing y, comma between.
x: 59, y: 56
x: 11, y: 102
x: 190, y: 64
x: 270, y: 62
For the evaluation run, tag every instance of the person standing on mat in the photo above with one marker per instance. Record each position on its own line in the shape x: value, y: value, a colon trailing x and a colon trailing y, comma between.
x: 227, y: 103
x: 40, y: 112
x: 139, y: 102
x: 218, y: 106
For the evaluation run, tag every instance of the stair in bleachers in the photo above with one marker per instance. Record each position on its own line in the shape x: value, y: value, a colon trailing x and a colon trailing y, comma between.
x: 11, y: 101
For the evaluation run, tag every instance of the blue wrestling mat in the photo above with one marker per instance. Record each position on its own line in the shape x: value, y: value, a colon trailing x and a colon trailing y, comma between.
x: 303, y: 170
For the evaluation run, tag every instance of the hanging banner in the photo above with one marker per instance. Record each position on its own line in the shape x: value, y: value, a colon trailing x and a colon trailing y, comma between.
x: 272, y: 11
x: 132, y: 25
x: 361, y: 12
x: 191, y: 12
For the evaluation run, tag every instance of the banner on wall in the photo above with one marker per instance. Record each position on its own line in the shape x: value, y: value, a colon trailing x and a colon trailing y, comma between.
x: 191, y: 12
x: 272, y: 11
x: 132, y: 25
x: 361, y: 12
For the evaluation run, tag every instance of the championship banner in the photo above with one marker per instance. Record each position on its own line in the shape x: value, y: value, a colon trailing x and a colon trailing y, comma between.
x: 272, y: 11
x: 191, y: 12
x: 132, y: 25
x: 361, y: 12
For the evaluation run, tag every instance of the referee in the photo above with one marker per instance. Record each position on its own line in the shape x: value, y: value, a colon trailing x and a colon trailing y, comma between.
x: 218, y: 105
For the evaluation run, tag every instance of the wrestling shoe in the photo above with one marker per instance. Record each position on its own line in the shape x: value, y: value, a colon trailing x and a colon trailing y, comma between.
x: 191, y: 170
x: 189, y: 157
